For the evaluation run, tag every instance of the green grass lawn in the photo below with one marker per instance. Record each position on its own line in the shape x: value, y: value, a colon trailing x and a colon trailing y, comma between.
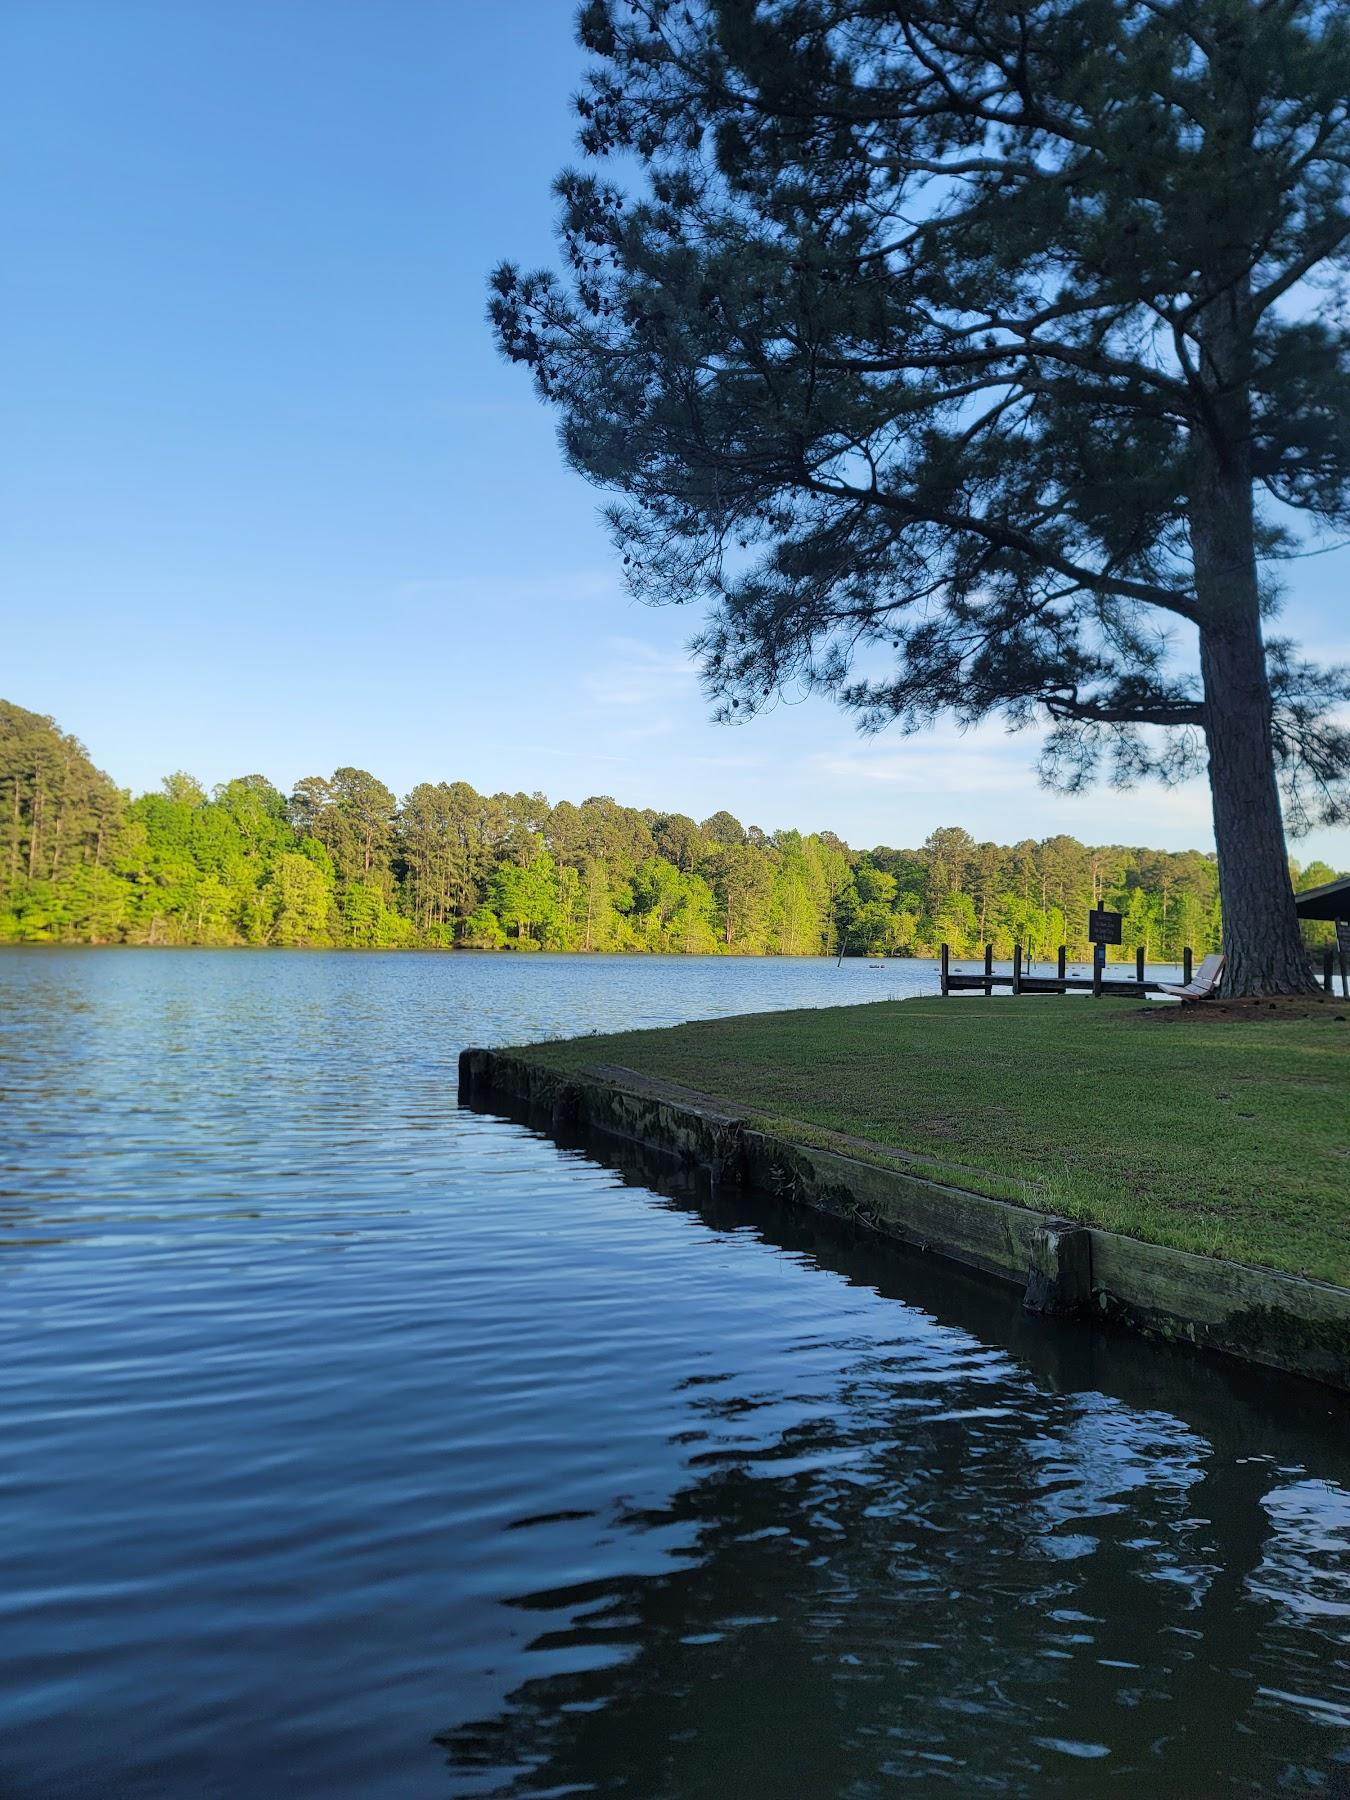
x: 1226, y: 1136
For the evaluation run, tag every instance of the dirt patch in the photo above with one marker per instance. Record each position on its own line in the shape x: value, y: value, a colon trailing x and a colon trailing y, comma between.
x: 1330, y: 1008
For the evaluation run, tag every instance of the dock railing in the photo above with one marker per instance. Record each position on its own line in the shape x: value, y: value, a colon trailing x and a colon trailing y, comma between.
x: 1023, y: 980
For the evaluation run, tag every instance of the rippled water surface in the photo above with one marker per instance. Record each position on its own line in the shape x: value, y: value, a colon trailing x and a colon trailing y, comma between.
x: 353, y: 1443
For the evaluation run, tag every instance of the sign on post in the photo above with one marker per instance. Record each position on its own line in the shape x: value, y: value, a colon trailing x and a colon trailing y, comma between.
x: 1103, y: 926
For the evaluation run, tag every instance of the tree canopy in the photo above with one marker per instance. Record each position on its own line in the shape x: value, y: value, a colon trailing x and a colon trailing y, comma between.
x: 977, y: 357
x: 341, y: 862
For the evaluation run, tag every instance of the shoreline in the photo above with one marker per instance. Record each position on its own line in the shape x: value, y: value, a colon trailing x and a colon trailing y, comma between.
x: 1066, y: 1268
x: 512, y: 952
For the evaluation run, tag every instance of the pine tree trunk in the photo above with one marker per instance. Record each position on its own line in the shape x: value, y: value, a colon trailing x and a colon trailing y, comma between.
x: 35, y: 830
x: 1262, y: 946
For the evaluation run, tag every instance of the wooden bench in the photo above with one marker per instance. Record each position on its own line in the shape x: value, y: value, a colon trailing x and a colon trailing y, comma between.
x: 1201, y: 985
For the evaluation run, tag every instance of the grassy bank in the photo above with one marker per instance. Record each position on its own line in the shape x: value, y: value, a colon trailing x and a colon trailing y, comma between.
x: 1228, y: 1136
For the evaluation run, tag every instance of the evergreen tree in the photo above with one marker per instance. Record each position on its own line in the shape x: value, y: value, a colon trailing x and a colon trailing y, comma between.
x: 678, y: 840
x: 58, y: 816
x: 967, y: 334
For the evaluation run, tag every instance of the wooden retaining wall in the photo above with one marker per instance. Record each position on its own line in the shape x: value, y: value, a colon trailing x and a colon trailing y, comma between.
x: 1063, y: 1267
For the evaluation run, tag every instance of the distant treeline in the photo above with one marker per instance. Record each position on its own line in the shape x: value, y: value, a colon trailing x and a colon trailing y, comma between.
x: 342, y: 862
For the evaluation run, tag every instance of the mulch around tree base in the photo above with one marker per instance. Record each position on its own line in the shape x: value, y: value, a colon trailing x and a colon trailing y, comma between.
x: 1329, y: 1007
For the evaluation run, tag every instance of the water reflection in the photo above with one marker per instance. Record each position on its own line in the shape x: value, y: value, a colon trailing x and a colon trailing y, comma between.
x: 335, y: 1416
x: 925, y: 1563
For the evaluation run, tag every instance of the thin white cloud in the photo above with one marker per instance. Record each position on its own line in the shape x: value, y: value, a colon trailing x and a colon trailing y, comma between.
x: 984, y: 759
x: 631, y: 675
x: 567, y: 587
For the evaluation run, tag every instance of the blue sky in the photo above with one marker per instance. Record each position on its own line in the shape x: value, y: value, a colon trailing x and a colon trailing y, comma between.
x: 269, y: 500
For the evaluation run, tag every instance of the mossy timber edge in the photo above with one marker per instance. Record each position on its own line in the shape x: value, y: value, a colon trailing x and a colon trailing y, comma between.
x: 1286, y: 1322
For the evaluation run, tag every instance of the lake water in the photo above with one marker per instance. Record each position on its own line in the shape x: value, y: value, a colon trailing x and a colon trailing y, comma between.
x: 356, y: 1444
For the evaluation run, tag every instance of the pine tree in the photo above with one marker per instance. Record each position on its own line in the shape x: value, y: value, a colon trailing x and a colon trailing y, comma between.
x: 969, y: 335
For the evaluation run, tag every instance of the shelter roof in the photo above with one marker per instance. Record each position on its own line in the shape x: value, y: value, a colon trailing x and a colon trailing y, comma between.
x: 1330, y: 901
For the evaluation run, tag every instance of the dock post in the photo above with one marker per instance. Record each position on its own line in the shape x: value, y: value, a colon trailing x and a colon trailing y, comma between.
x: 1061, y: 967
x: 988, y: 970
x: 1186, y: 966
x: 1139, y: 965
x: 1017, y: 968
x: 946, y: 954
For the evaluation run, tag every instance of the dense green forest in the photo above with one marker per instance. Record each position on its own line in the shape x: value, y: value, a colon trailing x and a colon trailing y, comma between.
x: 341, y: 861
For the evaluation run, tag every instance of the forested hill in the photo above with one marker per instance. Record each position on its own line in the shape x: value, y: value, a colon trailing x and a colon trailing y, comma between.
x: 342, y: 861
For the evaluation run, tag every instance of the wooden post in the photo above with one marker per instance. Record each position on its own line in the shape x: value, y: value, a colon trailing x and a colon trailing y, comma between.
x: 1017, y: 968
x: 1063, y: 964
x: 1098, y: 963
x: 1139, y: 965
x: 1328, y: 978
x: 1343, y: 949
x: 1186, y: 966
x: 988, y: 970
x: 946, y: 956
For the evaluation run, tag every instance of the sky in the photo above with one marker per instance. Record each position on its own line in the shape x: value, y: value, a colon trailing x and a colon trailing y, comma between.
x: 269, y: 499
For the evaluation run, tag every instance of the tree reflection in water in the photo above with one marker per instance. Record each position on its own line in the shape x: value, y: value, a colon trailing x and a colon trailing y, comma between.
x: 939, y: 1565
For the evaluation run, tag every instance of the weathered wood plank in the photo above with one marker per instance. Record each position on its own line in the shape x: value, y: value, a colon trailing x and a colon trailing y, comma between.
x: 1204, y: 983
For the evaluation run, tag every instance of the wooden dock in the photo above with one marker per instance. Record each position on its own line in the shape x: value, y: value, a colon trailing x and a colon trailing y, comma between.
x: 1022, y: 981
